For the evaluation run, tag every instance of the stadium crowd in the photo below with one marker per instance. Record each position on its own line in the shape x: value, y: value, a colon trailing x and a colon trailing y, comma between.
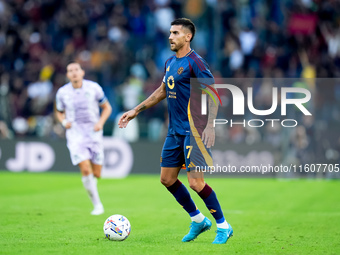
x: 123, y: 46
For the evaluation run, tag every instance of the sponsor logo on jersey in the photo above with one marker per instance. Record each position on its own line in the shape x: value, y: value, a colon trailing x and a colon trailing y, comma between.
x: 171, y: 82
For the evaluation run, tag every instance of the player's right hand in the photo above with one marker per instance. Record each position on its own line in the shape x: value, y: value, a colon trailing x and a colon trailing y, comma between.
x: 66, y: 124
x: 126, y: 117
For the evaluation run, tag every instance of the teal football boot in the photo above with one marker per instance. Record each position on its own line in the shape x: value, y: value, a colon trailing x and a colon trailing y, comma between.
x: 196, y: 229
x: 222, y: 235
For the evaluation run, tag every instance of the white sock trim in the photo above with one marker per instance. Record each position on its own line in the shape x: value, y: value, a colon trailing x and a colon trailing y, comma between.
x: 223, y: 225
x: 198, y: 218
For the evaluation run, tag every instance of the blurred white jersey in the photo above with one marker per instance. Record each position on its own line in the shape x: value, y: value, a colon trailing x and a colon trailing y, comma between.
x: 81, y: 107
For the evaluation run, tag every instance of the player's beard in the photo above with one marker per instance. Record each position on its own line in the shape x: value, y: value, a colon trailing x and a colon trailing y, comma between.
x: 177, y: 47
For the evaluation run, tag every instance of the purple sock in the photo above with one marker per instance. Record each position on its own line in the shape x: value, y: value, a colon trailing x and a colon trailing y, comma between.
x: 210, y: 200
x: 182, y: 195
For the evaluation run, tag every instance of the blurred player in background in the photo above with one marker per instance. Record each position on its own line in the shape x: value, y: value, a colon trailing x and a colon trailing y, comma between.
x: 77, y: 108
x: 180, y: 147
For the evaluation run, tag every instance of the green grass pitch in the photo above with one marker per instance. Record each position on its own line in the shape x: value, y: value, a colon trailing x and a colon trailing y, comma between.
x: 50, y: 214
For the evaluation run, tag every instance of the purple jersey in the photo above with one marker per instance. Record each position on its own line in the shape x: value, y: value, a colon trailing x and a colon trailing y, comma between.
x: 81, y: 107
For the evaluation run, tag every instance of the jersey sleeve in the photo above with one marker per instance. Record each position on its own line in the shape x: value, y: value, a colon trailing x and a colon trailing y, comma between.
x: 165, y: 69
x: 60, y: 106
x: 100, y: 96
x: 200, y: 70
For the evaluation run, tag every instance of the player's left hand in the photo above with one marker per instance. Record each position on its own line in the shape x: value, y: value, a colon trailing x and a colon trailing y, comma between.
x: 208, y: 136
x: 98, y: 126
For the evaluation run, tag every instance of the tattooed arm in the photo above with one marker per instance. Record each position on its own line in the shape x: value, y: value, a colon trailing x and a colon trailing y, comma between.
x: 157, y: 96
x: 208, y: 135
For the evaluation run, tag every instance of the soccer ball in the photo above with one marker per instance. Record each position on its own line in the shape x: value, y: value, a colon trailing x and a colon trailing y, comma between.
x: 117, y: 227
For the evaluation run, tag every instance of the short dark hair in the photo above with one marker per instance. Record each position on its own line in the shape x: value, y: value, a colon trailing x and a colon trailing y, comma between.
x: 73, y: 62
x: 187, y: 23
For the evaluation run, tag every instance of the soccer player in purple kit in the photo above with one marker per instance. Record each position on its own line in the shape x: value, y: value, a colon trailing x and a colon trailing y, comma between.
x: 77, y: 108
x: 186, y: 134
